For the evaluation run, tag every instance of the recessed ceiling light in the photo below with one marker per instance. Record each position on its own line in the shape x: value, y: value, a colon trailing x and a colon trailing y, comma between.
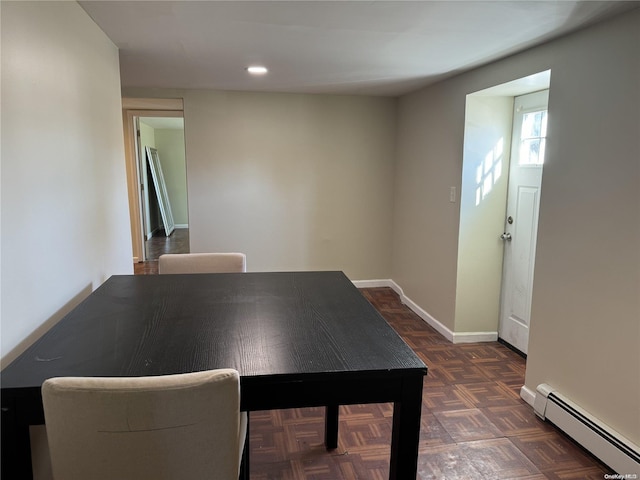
x: 257, y: 70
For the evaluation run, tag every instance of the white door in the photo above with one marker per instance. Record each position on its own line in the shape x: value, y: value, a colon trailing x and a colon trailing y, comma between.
x: 521, y: 225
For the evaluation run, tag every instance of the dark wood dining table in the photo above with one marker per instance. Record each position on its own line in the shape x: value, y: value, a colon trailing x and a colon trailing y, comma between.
x: 298, y: 339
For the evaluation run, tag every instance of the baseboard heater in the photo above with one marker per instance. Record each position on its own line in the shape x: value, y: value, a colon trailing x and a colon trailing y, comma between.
x: 615, y: 451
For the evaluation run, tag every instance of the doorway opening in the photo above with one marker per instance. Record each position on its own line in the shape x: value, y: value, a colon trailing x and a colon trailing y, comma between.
x: 484, y: 227
x: 156, y: 174
x: 528, y: 147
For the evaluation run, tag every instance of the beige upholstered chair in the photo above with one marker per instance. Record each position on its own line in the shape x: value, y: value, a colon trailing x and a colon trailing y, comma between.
x: 185, y: 426
x: 202, y: 263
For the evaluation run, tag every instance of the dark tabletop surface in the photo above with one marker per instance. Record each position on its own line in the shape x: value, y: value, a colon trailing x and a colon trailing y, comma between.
x: 286, y: 324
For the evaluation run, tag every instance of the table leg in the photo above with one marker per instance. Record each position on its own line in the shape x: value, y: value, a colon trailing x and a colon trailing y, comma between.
x: 405, y: 435
x: 16, y: 448
x: 244, y: 464
x: 331, y: 419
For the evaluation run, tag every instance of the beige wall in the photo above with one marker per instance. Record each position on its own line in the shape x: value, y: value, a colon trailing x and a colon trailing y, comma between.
x: 297, y: 182
x: 586, y: 306
x: 487, y: 133
x: 65, y: 224
x: 425, y: 222
x: 170, y: 145
x: 585, y: 316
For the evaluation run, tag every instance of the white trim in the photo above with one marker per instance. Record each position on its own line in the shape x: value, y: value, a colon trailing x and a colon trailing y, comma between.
x: 424, y: 315
x: 527, y: 395
x: 372, y: 283
x: 453, y: 337
x: 181, y: 225
x: 474, y: 337
x: 152, y: 233
x: 132, y: 103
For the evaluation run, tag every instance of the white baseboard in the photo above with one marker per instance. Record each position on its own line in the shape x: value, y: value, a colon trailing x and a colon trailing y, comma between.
x: 372, y: 283
x: 453, y: 337
x: 423, y: 314
x: 474, y: 337
x: 160, y: 229
x: 527, y: 395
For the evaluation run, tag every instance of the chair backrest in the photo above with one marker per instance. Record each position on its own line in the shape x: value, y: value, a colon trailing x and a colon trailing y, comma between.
x: 202, y: 263
x: 166, y: 427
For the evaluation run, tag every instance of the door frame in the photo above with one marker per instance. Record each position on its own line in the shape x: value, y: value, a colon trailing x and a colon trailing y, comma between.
x: 131, y: 109
x: 479, y: 263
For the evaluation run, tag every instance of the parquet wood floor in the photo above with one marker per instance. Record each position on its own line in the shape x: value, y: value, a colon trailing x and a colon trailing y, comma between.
x: 177, y: 242
x: 474, y: 424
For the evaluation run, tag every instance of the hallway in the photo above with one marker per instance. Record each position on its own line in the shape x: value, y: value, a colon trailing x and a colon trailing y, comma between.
x: 177, y: 242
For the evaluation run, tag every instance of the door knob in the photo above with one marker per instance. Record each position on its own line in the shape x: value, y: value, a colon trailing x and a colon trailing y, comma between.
x: 506, y: 237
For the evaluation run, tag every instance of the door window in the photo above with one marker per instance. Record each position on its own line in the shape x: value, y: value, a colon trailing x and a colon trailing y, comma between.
x: 533, y: 138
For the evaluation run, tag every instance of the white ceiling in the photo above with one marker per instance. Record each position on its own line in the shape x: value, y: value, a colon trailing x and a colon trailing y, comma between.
x: 343, y: 46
